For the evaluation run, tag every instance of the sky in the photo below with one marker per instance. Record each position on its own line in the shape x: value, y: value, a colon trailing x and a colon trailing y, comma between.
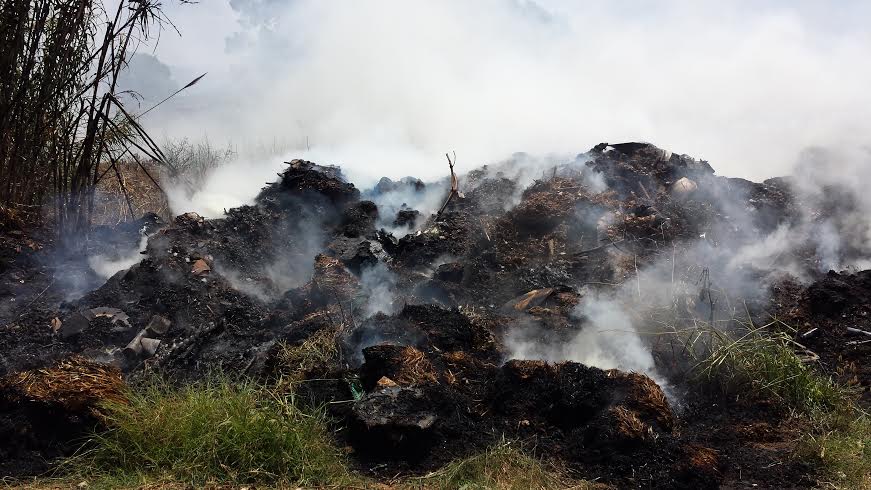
x: 386, y: 87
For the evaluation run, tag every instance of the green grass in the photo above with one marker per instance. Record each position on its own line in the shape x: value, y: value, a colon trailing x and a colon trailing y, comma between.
x: 208, y: 453
x: 840, y: 446
x: 504, y: 467
x: 764, y: 363
x: 211, y: 432
x: 222, y: 433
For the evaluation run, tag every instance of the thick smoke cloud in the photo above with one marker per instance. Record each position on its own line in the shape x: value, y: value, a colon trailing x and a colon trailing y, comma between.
x: 106, y: 267
x: 609, y: 340
x: 386, y: 87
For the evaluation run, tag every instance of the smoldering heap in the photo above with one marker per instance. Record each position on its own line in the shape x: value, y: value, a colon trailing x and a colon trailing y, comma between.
x: 473, y: 324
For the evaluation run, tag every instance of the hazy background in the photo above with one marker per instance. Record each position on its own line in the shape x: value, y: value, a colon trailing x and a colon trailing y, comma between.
x: 386, y: 87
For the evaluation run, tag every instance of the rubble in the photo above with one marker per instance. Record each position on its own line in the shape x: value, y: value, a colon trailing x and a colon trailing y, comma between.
x: 158, y: 325
x: 450, y: 272
x: 395, y: 422
x: 142, y: 346
x: 200, y: 267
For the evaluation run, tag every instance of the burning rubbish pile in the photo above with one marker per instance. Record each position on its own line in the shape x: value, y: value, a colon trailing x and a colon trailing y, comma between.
x: 544, y: 307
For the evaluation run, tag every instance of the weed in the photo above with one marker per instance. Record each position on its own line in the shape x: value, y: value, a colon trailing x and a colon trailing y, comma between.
x: 841, y: 447
x: 505, y: 467
x: 212, y: 432
x: 764, y: 362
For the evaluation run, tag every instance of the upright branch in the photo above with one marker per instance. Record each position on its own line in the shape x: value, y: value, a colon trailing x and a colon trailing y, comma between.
x: 455, y: 184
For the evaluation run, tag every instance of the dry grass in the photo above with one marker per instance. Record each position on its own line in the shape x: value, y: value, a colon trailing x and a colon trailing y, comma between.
x: 462, y: 367
x: 320, y: 350
x: 110, y: 204
x: 333, y: 279
x: 503, y: 467
x: 703, y: 457
x: 76, y: 384
x: 416, y: 368
x: 627, y: 423
x: 11, y: 219
x: 645, y: 395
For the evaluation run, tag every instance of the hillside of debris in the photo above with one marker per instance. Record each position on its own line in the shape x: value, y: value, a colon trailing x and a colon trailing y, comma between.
x: 551, y: 304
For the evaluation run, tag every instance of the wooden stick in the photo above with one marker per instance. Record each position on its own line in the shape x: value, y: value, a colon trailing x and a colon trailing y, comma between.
x: 455, y: 184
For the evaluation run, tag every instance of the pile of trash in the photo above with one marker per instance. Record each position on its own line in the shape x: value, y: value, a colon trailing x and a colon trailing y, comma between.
x: 423, y: 325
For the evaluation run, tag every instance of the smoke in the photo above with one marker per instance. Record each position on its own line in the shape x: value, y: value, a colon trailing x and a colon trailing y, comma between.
x: 616, y: 329
x: 607, y: 340
x: 771, y: 252
x: 407, y: 194
x: 285, y: 258
x: 379, y: 286
x: 106, y: 267
x: 830, y: 185
x: 228, y: 186
x: 388, y: 87
x: 524, y: 169
x: 831, y: 227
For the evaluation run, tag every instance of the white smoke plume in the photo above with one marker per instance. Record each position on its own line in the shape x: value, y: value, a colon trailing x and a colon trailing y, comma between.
x: 379, y: 286
x: 387, y: 87
x: 426, y: 201
x: 831, y: 203
x: 106, y: 267
x: 231, y: 185
x: 608, y: 340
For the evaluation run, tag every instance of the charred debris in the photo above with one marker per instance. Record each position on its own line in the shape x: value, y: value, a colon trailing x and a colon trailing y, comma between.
x: 421, y: 366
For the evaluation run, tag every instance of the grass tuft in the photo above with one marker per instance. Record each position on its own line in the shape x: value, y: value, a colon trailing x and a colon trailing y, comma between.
x: 503, y: 467
x: 765, y: 363
x: 761, y: 362
x: 318, y: 351
x: 212, y: 432
x: 841, y: 447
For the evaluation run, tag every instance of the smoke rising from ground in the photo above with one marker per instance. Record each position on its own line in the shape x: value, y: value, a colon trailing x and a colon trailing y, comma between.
x: 227, y: 186
x: 609, y: 340
x: 379, y: 287
x: 106, y: 267
x: 733, y: 259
